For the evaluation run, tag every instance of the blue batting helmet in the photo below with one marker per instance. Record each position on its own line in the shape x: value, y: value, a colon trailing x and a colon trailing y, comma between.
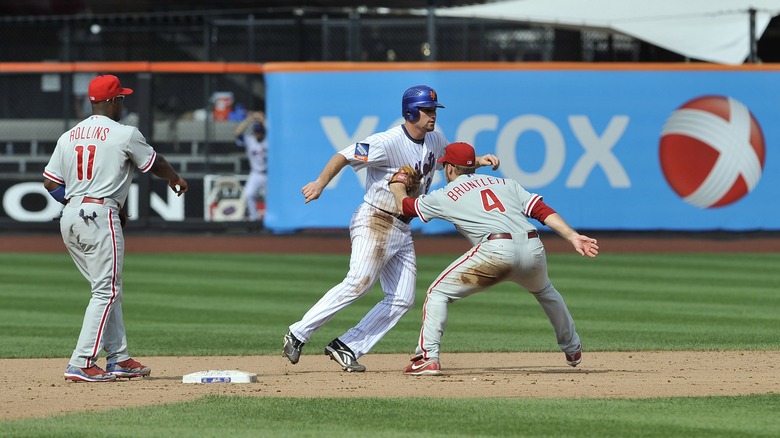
x: 419, y: 96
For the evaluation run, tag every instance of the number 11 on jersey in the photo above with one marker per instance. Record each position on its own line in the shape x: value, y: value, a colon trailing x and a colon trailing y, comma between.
x: 85, y: 166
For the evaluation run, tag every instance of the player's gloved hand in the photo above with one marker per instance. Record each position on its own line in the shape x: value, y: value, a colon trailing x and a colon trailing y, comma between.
x: 123, y: 218
x: 407, y: 176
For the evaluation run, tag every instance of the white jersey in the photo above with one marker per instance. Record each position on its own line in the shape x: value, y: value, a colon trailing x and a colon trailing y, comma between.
x: 256, y: 152
x: 384, y: 153
x: 479, y: 205
x: 96, y: 158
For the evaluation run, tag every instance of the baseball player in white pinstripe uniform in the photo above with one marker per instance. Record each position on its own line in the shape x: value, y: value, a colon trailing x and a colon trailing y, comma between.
x: 90, y: 171
x: 256, y: 147
x: 493, y: 214
x: 382, y: 247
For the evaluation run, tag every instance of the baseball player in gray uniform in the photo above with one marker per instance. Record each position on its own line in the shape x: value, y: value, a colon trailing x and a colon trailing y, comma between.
x: 90, y: 171
x: 492, y: 213
x: 256, y: 147
x: 382, y: 247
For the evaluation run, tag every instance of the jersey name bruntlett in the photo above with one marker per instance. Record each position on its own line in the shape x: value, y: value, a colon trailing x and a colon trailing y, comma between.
x: 459, y: 190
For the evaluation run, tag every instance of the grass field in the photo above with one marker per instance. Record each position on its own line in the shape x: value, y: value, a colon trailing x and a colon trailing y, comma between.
x: 219, y: 416
x: 206, y: 304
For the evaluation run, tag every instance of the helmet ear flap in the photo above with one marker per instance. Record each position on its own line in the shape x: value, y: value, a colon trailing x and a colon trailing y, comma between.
x: 412, y: 114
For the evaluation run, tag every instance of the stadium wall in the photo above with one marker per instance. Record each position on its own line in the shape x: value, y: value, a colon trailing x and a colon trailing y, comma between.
x: 612, y: 146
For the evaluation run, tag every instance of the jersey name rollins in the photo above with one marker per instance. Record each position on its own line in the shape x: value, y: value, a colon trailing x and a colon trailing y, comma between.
x: 88, y: 132
x: 460, y: 189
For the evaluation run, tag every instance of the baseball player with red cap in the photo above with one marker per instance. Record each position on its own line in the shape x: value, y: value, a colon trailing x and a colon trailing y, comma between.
x: 493, y: 214
x: 90, y: 172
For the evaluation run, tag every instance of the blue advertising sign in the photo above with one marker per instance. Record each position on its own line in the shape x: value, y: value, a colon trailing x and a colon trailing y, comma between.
x: 609, y: 148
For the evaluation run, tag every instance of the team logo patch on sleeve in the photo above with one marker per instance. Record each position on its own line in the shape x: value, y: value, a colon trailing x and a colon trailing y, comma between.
x: 361, y: 151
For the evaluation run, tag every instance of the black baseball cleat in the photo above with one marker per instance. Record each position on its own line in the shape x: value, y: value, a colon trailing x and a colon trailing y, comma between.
x: 342, y: 354
x: 292, y: 348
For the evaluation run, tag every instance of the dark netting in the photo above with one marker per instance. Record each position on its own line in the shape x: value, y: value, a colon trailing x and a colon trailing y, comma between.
x: 327, y: 37
x: 188, y: 117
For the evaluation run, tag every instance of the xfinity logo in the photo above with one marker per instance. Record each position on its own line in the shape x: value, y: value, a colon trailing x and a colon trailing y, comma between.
x: 712, y: 151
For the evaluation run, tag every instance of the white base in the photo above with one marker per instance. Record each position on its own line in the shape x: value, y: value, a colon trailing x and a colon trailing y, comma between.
x: 220, y: 376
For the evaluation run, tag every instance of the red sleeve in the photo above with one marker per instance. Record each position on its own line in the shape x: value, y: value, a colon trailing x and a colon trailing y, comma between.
x: 409, y: 210
x: 539, y: 212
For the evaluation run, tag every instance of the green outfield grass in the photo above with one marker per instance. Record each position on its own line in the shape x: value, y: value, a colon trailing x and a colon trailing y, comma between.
x: 218, y: 416
x: 206, y: 304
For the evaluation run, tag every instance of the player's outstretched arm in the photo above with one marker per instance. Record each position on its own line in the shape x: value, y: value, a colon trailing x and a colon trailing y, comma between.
x: 313, y: 190
x: 162, y: 169
x: 584, y: 245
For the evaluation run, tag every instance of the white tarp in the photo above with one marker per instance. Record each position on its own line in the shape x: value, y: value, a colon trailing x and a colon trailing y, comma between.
x: 709, y: 30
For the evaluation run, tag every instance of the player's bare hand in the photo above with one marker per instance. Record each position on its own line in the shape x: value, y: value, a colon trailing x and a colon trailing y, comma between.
x: 489, y: 160
x: 586, y: 246
x: 312, y: 191
x: 178, y: 186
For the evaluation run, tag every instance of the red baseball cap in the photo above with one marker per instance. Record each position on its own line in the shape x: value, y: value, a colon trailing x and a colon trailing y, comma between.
x: 105, y: 87
x: 459, y: 154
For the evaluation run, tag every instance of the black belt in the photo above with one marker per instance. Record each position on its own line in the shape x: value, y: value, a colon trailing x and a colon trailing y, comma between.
x: 494, y: 236
x: 400, y: 217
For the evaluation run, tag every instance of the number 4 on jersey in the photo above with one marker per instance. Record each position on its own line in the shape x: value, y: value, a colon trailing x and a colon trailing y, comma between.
x: 85, y: 166
x: 490, y: 201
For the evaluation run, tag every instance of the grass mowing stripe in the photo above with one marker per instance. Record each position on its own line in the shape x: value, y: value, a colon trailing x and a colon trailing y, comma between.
x: 351, y: 417
x: 208, y: 302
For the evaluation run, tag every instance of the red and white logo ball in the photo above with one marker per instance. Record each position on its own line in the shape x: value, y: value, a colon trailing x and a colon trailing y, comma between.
x: 712, y: 151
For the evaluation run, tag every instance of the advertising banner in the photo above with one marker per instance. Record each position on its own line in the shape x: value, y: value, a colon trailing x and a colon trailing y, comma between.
x: 214, y: 198
x: 25, y: 201
x: 610, y: 148
x: 224, y: 199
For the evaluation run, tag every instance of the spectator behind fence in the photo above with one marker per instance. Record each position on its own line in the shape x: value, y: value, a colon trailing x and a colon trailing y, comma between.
x: 250, y: 134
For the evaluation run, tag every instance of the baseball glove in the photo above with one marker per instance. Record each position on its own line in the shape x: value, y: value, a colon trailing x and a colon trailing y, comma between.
x: 407, y: 176
x: 123, y: 218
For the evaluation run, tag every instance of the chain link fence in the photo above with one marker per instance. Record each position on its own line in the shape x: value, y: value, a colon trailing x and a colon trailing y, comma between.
x: 341, y: 37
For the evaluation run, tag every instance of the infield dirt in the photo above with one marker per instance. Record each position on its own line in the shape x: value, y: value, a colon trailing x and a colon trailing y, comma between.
x: 36, y: 387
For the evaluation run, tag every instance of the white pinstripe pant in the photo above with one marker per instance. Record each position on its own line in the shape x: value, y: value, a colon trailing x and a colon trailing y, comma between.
x: 382, y: 249
x: 253, y: 189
